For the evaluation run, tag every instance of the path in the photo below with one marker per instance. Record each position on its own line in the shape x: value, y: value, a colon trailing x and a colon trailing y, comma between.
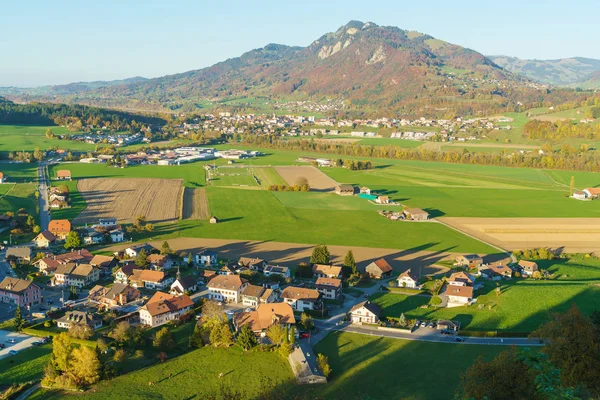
x: 28, y: 392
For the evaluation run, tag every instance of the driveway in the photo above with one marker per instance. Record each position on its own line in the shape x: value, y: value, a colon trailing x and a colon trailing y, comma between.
x: 23, y: 342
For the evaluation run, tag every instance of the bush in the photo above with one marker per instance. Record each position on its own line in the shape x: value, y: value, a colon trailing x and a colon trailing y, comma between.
x: 435, y: 301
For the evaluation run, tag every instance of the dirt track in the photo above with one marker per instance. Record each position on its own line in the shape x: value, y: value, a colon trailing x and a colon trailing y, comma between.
x: 318, y: 181
x: 573, y: 235
x: 195, y: 204
x: 125, y: 198
x: 291, y: 254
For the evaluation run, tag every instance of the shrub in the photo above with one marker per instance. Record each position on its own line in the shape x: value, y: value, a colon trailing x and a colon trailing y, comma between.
x: 435, y: 301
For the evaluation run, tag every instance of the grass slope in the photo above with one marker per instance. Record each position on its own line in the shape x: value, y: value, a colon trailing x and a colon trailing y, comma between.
x: 26, y: 366
x: 15, y: 196
x: 29, y: 137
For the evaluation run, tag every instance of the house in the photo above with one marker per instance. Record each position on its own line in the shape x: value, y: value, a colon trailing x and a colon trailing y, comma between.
x: 78, y: 275
x: 63, y: 174
x: 124, y: 273
x: 326, y: 271
x: 255, y: 264
x: 163, y: 307
x: 117, y: 295
x: 303, y: 361
x: 365, y: 312
x: 265, y: 316
x: 91, y: 236
x: 133, y: 251
x: 345, y: 190
x: 206, y: 275
x: 150, y: 279
x: 186, y: 284
x: 107, y: 222
x: 580, y: 195
x: 104, y: 263
x: 20, y: 255
x: 79, y: 317
x: 253, y: 295
x: 2, y: 178
x: 330, y: 288
x: 21, y: 292
x: 60, y: 228
x: 529, y: 267
x: 408, y: 279
x: 284, y: 272
x: 415, y: 214
x: 160, y: 262
x: 48, y: 264
x: 382, y: 200
x: 501, y: 271
x: 379, y: 269
x: 469, y: 261
x: 459, y: 295
x: 365, y: 190
x: 301, y: 299
x: 460, y: 279
x: 214, y: 220
x: 206, y: 258
x: 116, y: 236
x: 44, y: 239
x: 592, y: 193
x: 227, y: 288
x: 229, y: 269
x: 447, y: 325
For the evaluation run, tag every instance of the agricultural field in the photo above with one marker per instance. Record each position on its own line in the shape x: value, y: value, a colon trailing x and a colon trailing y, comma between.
x: 523, y: 305
x: 317, y: 180
x: 156, y: 199
x: 19, y: 172
x: 18, y: 195
x: 30, y: 137
x: 268, y: 176
x: 195, y: 204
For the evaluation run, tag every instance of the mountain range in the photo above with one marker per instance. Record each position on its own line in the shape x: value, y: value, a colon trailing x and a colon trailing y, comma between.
x: 364, y: 65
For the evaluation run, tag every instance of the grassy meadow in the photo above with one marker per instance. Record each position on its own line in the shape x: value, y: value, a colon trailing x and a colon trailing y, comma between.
x: 18, y: 195
x: 26, y: 366
x: 30, y: 137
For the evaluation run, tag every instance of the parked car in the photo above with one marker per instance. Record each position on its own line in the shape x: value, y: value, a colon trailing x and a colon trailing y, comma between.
x: 431, y: 325
x: 304, y: 335
x: 2, y: 345
x: 37, y: 343
x: 459, y: 339
x: 423, y: 324
x: 13, y: 352
x: 12, y: 341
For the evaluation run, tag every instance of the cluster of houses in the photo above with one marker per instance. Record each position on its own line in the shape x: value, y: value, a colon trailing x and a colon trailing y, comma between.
x: 587, y: 194
x: 407, y: 214
x: 107, y: 230
x: 59, y: 197
x: 116, y: 139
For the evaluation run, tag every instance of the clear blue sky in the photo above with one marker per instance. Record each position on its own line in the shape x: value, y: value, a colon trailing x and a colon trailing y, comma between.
x: 61, y: 41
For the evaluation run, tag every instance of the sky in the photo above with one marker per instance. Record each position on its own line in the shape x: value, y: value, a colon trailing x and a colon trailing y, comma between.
x: 56, y: 42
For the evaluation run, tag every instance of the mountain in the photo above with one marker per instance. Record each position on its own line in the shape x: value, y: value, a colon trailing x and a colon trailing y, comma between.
x: 70, y: 88
x: 591, y: 82
x: 565, y: 71
x: 363, y: 67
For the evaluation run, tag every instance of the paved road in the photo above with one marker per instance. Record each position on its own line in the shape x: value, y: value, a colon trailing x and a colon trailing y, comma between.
x: 43, y: 199
x: 23, y: 342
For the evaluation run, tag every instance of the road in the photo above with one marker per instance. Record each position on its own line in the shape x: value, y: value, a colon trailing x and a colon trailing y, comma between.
x: 43, y: 199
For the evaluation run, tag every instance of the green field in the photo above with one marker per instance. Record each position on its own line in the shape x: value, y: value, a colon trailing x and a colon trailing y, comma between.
x: 26, y: 366
x: 29, y: 138
x: 19, y: 172
x: 390, y: 142
x: 76, y: 200
x: 232, y: 176
x: 523, y: 305
x: 19, y: 195
x: 268, y: 176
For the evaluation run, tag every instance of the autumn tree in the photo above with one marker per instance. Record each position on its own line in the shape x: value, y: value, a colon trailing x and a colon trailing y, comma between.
x: 85, y: 365
x: 320, y: 255
x: 307, y: 322
x: 212, y: 314
x: 323, y: 364
x: 80, y: 331
x: 196, y: 340
x: 164, y: 340
x: 276, y: 334
x: 62, y: 346
x: 72, y: 241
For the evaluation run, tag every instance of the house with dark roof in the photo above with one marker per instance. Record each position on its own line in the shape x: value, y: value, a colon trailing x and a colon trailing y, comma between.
x: 20, y: 255
x: 255, y: 264
x: 379, y: 269
x: 44, y: 239
x: 182, y: 285
x: 21, y: 292
x: 469, y: 261
x: 206, y: 258
x: 79, y: 317
x: 284, y: 272
x: 253, y: 295
x: 330, y: 288
x: 365, y: 312
x: 408, y: 279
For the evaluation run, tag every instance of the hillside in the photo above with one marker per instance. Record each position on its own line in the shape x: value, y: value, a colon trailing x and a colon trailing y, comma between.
x: 361, y: 68
x: 566, y: 71
x: 70, y: 88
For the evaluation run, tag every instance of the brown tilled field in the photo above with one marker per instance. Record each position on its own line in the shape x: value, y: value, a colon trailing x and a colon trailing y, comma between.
x: 156, y: 199
x: 318, y: 181
x: 573, y: 235
x: 195, y: 204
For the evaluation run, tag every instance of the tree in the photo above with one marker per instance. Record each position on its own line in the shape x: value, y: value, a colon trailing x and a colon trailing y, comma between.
x: 320, y: 255
x: 349, y: 262
x: 481, y: 381
x: 246, y: 338
x: 164, y: 340
x: 573, y: 346
x: 196, y: 340
x: 85, y: 365
x: 402, y: 320
x: 61, y: 351
x: 536, y: 275
x: 80, y: 331
x: 212, y: 314
x: 276, y: 334
x: 166, y: 249
x: 293, y: 335
x: 149, y: 227
x: 572, y: 186
x: 142, y: 259
x: 307, y: 321
x: 120, y: 356
x: 323, y: 363
x: 122, y: 332
x: 73, y: 241
x: 221, y: 335
x: 19, y: 320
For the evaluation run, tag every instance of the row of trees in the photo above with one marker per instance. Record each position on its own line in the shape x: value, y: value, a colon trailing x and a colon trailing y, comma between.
x: 285, y: 188
x: 563, y: 129
x: 354, y: 165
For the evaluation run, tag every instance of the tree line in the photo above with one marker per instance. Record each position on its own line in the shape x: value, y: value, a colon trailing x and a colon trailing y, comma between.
x: 546, y: 130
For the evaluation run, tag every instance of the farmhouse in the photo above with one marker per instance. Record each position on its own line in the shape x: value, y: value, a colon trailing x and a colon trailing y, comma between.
x: 345, y: 190
x: 304, y: 365
x: 44, y: 239
x: 529, y: 267
x: 21, y: 292
x: 255, y: 264
x: 63, y: 174
x: 79, y: 317
x: 20, y: 255
x: 580, y: 195
x: 379, y: 269
x: 227, y: 288
x: 265, y: 316
x: 206, y: 258
x: 592, y: 193
x: 365, y: 190
x: 301, y: 299
x: 162, y: 308
x: 408, y: 279
x: 72, y: 274
x: 134, y: 250
x: 469, y: 261
x: 326, y: 271
x: 330, y: 288
x: 284, y: 272
x: 253, y: 295
x: 91, y: 236
x: 459, y: 295
x: 117, y: 295
x: 149, y: 279
x: 60, y: 228
x: 415, y: 214
x: 365, y: 312
x: 382, y: 200
x: 124, y: 273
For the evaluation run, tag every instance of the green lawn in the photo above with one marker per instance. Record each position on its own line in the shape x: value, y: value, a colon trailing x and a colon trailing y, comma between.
x: 523, y: 305
x: 28, y: 365
x: 15, y: 196
x: 19, y: 172
x: 29, y: 137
